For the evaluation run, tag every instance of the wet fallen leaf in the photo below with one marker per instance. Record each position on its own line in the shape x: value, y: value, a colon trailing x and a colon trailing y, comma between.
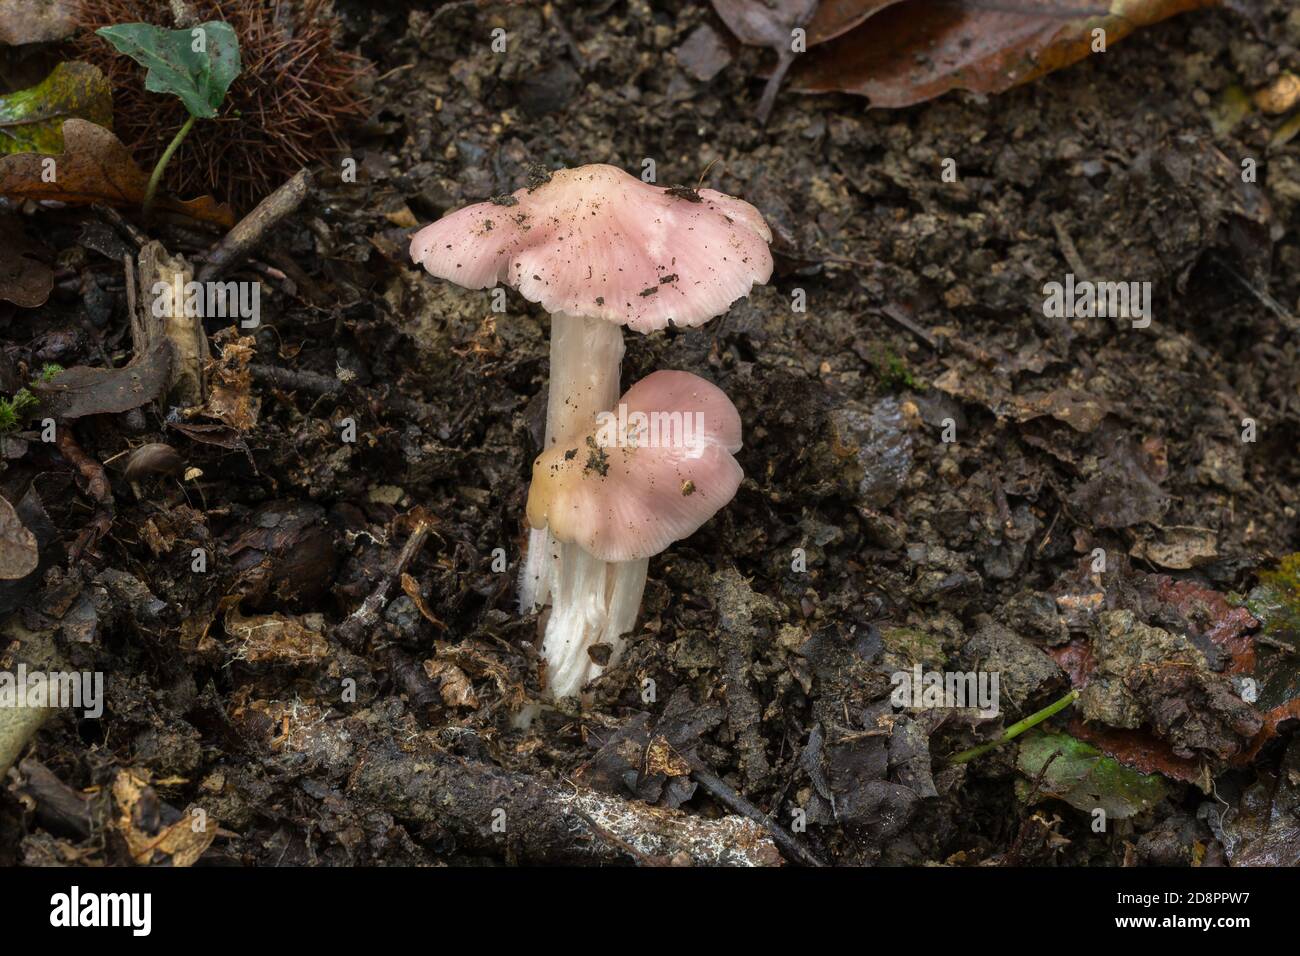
x: 222, y: 436
x: 1138, y: 750
x: 1149, y: 677
x: 1234, y: 106
x: 81, y: 390
x: 836, y: 17
x: 1079, y: 410
x: 1221, y: 630
x: 31, y: 120
x: 31, y: 513
x: 1285, y: 133
x: 284, y: 554
x: 1124, y: 489
x: 94, y: 167
x: 908, y: 52
x: 1264, y: 828
x: 36, y: 21
x: 19, y: 553
x: 1084, y: 778
x: 1208, y: 618
x: 25, y: 278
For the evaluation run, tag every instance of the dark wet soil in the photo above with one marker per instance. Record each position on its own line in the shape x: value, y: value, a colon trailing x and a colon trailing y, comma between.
x: 933, y: 465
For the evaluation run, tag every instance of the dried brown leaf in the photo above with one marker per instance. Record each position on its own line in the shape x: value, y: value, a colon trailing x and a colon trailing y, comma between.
x: 453, y: 684
x: 82, y: 390
x: 148, y: 840
x: 94, y: 167
x: 907, y: 52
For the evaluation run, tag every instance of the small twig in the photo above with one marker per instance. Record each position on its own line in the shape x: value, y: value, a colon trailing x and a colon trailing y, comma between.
x: 252, y: 229
x: 784, y: 60
x: 451, y: 7
x: 1270, y: 303
x: 121, y: 224
x: 97, y: 486
x: 292, y: 379
x: 1068, y: 248
x: 58, y: 806
x: 645, y: 859
x: 367, y: 615
x: 132, y: 296
x: 1277, y: 645
x: 325, y: 386
x: 718, y: 789
x: 1050, y: 528
x: 896, y: 314
x: 394, y: 71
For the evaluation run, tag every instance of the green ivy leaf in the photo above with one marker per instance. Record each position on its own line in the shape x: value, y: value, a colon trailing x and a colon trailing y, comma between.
x: 1084, y: 777
x: 31, y: 120
x: 197, y: 64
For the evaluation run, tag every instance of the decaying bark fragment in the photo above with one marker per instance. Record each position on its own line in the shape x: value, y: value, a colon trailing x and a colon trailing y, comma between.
x: 156, y: 320
x: 18, y: 722
x: 489, y: 810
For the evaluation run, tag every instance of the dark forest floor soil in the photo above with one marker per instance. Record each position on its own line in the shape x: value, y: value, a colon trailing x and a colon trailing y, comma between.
x: 924, y: 320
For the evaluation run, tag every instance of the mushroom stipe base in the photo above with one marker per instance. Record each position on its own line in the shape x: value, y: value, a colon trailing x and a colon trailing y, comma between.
x: 592, y: 601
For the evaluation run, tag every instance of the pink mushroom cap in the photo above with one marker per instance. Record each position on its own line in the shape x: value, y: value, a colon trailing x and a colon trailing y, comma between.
x: 634, y: 486
x: 595, y: 241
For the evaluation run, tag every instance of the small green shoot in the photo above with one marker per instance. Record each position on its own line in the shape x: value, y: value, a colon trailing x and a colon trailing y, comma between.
x: 1016, y: 729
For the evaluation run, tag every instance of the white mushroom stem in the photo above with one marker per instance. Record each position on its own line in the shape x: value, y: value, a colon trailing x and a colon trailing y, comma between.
x: 592, y: 601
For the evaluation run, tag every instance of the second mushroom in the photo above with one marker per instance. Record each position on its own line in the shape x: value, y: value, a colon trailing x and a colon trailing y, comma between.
x: 617, y: 481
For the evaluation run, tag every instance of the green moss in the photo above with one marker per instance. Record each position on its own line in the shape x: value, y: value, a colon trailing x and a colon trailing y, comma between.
x: 14, y: 410
x: 1276, y: 602
x: 893, y: 372
x: 917, y: 646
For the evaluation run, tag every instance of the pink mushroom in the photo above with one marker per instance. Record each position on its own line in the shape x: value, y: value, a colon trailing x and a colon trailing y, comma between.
x: 598, y: 249
x: 649, y: 473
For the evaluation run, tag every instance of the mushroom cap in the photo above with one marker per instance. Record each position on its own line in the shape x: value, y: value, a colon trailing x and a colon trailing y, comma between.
x: 595, y: 241
x: 633, y: 486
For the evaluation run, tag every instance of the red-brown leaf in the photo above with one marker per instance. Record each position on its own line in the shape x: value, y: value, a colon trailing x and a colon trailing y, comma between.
x: 907, y: 52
